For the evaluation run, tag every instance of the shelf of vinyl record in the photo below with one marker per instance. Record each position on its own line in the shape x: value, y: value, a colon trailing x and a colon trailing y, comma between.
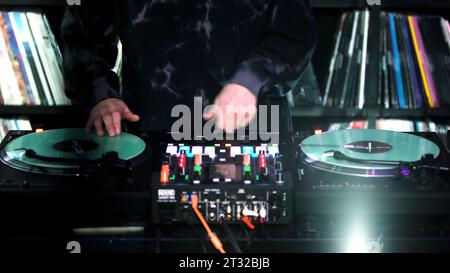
x: 314, y: 3
x: 13, y: 124
x: 33, y: 2
x: 388, y: 64
x: 367, y: 112
x: 380, y: 3
x: 30, y: 61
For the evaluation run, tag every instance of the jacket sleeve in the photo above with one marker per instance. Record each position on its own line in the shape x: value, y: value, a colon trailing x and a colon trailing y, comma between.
x: 285, y: 50
x: 89, y: 47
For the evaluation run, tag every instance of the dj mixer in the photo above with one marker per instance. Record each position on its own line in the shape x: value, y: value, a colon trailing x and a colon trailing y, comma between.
x: 232, y: 181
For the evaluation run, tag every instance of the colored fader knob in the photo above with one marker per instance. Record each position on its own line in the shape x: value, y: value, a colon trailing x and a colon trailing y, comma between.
x: 247, y: 171
x: 198, y: 165
x: 246, y: 160
x: 198, y: 160
x: 182, y: 160
x: 262, y: 164
x: 165, y: 172
x: 262, y: 160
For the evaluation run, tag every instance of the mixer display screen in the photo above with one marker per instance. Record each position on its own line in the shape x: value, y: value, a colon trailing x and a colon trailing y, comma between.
x: 226, y: 171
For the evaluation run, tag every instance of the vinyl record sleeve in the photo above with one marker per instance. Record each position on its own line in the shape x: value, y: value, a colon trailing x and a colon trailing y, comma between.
x: 412, y: 66
x: 397, y: 63
x: 341, y: 60
x: 333, y: 63
x: 407, y: 82
x: 384, y: 63
x: 390, y: 67
x: 26, y: 55
x: 355, y: 64
x: 440, y: 57
x: 348, y: 61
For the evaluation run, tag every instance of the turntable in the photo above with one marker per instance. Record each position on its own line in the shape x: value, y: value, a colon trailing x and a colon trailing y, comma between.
x: 372, y: 160
x: 67, y: 151
x: 59, y: 179
x: 372, y: 173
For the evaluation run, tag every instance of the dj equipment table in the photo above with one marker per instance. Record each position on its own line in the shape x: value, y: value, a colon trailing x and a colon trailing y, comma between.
x: 353, y: 190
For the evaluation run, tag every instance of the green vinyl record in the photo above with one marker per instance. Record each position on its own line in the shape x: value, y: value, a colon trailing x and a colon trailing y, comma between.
x: 367, y: 145
x: 68, y: 144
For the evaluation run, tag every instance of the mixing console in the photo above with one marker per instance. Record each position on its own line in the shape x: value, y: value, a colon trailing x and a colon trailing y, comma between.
x: 249, y: 183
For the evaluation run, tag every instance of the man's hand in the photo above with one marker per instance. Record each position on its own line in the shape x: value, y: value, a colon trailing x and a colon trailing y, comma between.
x: 234, y: 108
x: 110, y: 113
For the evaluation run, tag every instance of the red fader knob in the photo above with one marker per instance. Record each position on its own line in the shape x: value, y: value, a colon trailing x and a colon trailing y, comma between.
x: 262, y: 160
x: 182, y: 160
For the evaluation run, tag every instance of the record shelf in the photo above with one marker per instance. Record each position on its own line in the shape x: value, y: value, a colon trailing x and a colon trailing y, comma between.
x: 327, y: 13
x: 39, y: 110
x: 318, y: 111
x: 315, y: 3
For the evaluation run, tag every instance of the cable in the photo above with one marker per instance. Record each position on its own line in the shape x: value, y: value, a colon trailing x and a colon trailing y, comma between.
x: 197, y: 233
x: 247, y: 235
x: 215, y: 241
x: 230, y: 235
x: 248, y: 222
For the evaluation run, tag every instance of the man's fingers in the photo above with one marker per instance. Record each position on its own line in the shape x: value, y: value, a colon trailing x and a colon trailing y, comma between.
x: 230, y: 119
x: 247, y: 120
x: 117, y: 122
x: 128, y: 115
x: 237, y: 117
x: 211, y: 114
x: 132, y: 117
x: 220, y: 119
x: 247, y: 117
x: 99, y: 127
x: 89, y: 125
x: 109, y: 125
x: 242, y: 119
x: 109, y: 114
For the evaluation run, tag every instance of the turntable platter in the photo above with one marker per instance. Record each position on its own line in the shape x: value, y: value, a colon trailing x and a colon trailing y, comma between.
x: 67, y: 144
x: 365, y: 145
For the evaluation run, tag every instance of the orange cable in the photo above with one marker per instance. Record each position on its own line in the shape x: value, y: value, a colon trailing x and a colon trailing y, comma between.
x: 248, y: 222
x: 215, y: 241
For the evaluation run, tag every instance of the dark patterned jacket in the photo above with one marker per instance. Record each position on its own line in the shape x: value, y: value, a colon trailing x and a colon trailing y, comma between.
x: 177, y: 49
